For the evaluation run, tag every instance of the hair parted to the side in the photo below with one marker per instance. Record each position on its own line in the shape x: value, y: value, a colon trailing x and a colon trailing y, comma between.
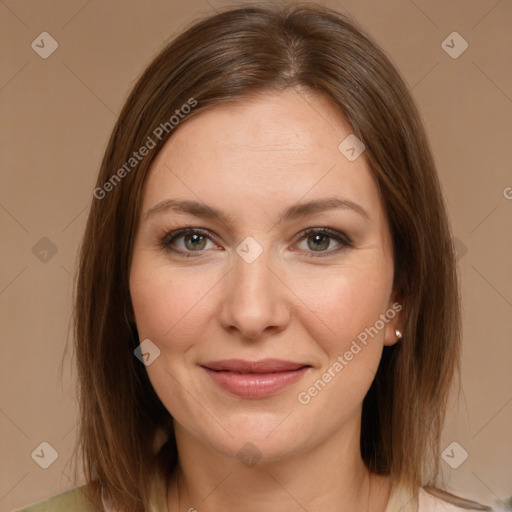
x: 230, y: 56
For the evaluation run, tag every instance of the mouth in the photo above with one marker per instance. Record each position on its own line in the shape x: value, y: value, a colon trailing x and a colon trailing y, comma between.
x: 254, y: 379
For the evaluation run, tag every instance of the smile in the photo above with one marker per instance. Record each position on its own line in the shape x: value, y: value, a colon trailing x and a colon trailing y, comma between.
x: 256, y: 379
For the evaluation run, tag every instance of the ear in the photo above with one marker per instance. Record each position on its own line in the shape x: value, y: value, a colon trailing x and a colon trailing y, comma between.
x: 394, y: 331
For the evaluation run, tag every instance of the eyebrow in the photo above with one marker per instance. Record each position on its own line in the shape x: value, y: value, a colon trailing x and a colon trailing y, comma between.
x: 293, y: 212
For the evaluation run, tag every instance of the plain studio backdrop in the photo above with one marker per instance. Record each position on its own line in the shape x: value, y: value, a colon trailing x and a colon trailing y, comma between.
x: 66, y: 70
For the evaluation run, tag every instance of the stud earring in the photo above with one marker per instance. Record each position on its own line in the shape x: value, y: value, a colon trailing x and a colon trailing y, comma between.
x: 398, y: 333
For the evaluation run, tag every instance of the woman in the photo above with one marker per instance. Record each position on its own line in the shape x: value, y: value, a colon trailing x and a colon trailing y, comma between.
x: 267, y: 311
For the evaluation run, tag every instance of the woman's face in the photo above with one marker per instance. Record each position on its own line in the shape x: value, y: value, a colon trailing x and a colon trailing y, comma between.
x: 249, y: 284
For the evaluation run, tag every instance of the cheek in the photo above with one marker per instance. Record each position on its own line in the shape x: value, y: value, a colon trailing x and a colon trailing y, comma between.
x: 345, y: 305
x: 169, y: 306
x: 342, y: 324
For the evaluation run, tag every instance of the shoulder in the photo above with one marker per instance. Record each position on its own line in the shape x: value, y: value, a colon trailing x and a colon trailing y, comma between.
x: 429, y: 499
x: 428, y: 502
x: 72, y: 500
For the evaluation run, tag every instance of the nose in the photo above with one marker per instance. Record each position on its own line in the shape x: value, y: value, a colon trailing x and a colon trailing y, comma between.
x: 254, y: 299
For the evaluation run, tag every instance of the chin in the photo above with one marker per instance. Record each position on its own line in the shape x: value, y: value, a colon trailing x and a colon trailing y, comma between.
x: 259, y: 439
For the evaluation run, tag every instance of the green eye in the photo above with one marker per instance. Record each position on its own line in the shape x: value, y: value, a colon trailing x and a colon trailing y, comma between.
x: 187, y: 241
x: 320, y: 239
x: 318, y: 242
x: 193, y: 240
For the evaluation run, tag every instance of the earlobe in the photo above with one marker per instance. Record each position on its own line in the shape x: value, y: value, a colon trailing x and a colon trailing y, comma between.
x: 394, y: 329
x: 392, y: 336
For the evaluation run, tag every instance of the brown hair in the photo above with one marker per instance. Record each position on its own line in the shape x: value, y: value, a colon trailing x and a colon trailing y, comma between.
x: 227, y: 57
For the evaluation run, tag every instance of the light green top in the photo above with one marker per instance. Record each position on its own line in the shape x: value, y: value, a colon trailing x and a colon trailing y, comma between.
x: 75, y: 500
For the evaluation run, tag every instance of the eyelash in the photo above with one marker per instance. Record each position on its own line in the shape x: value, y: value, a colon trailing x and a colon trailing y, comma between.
x: 341, y: 238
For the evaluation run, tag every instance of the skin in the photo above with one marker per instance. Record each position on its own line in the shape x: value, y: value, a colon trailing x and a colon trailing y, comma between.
x: 252, y: 160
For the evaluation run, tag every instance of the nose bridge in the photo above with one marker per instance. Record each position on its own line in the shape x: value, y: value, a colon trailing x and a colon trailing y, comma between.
x: 254, y: 300
x: 252, y: 272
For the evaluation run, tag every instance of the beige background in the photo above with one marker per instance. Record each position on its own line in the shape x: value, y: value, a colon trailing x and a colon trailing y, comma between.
x: 57, y: 114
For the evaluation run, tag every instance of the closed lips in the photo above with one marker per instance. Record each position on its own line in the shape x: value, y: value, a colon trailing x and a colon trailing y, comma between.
x: 254, y: 379
x: 265, y: 366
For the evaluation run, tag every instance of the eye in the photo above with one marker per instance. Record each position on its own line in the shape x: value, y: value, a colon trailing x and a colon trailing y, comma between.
x: 320, y: 239
x: 186, y: 240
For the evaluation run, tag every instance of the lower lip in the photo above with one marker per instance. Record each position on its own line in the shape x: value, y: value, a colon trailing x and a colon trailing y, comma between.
x: 255, y: 385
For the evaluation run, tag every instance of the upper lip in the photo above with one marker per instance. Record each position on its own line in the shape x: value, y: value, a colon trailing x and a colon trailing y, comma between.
x: 263, y: 366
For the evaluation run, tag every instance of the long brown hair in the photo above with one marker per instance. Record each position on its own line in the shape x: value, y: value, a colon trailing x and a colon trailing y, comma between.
x: 227, y: 57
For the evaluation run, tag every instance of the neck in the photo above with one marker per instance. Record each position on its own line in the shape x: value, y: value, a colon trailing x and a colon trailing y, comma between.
x: 330, y: 477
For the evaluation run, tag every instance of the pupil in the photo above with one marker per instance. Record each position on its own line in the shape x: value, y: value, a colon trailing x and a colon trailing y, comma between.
x: 318, y: 238
x: 193, y: 239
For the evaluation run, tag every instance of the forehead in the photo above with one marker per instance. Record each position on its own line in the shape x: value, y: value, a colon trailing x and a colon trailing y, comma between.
x: 264, y: 151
